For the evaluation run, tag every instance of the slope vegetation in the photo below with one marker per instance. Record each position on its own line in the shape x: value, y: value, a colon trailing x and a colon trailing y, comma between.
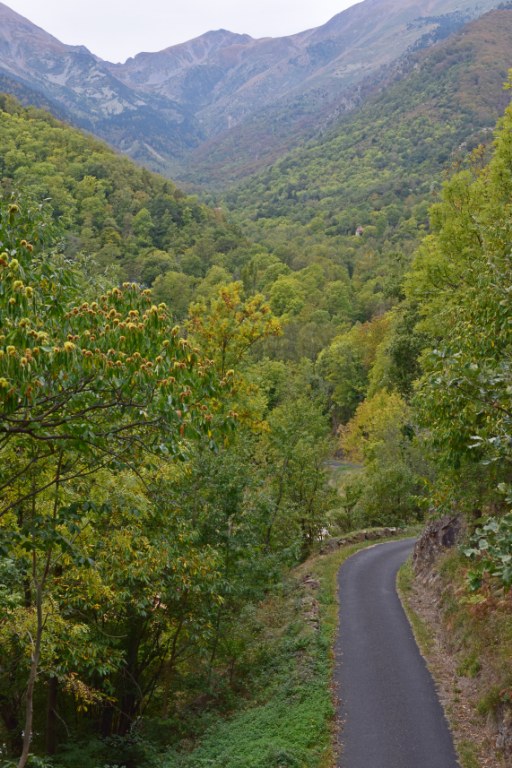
x: 133, y: 221
x: 377, y: 164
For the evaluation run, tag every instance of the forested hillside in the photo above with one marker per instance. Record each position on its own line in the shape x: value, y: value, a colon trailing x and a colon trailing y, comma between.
x: 174, y: 388
x: 156, y: 480
x: 106, y: 205
x: 378, y: 167
x: 360, y: 197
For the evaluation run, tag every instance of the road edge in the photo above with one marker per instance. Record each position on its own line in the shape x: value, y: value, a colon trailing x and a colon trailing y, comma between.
x: 471, y: 745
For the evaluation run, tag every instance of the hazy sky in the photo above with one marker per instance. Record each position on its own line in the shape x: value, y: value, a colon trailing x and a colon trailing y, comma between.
x: 117, y: 29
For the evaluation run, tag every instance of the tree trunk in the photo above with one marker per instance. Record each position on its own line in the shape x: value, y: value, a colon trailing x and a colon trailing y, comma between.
x: 130, y: 698
x: 38, y: 588
x: 107, y: 720
x: 169, y: 667
x: 34, y: 666
x: 51, y: 716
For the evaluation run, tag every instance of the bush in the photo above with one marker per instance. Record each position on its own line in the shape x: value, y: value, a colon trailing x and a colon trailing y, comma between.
x: 491, y: 549
x: 388, y: 495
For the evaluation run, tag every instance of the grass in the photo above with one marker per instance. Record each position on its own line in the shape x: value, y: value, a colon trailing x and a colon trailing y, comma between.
x: 289, y: 721
x: 467, y: 755
x: 422, y: 632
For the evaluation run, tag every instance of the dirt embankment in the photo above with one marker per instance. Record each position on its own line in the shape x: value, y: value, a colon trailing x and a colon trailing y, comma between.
x: 463, y: 641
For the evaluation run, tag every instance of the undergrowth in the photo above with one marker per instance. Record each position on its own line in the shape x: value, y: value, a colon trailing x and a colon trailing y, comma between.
x: 284, y: 716
x: 289, y: 721
x: 480, y: 628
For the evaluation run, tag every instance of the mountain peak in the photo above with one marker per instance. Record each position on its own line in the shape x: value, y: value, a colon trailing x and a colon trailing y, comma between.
x: 18, y: 33
x: 13, y: 26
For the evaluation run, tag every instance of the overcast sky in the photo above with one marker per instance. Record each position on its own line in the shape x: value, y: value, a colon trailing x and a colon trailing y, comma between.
x: 117, y: 29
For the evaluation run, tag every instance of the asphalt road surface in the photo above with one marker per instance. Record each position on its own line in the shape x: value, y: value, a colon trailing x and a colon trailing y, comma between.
x: 390, y: 716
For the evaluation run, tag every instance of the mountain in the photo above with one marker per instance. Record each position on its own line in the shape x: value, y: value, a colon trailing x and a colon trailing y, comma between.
x: 378, y: 167
x: 162, y: 107
x: 80, y: 86
x: 335, y: 90
x: 224, y: 77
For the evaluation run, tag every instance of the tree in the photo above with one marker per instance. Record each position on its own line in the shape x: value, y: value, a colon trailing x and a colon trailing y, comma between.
x: 83, y: 386
x: 378, y: 428
x: 461, y: 277
x: 177, y: 290
x: 346, y: 364
x: 293, y: 452
x: 381, y: 437
x: 287, y: 295
x: 228, y: 326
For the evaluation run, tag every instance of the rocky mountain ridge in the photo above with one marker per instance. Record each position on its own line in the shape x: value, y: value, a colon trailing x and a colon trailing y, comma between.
x: 162, y: 107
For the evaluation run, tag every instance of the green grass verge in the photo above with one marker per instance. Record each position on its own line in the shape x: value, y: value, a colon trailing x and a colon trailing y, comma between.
x: 289, y: 722
x: 422, y: 632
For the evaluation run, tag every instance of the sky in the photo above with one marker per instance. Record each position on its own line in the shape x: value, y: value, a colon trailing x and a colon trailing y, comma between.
x: 117, y: 29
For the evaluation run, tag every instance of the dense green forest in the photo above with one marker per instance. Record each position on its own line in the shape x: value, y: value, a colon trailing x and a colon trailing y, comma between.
x: 156, y: 479
x: 173, y: 386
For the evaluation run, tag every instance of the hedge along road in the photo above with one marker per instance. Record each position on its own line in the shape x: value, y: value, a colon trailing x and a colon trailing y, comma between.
x: 390, y: 715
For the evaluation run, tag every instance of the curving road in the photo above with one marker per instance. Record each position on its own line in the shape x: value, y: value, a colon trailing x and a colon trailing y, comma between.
x: 389, y: 710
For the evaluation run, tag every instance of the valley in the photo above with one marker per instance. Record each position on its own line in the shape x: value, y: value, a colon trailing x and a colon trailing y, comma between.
x: 290, y: 250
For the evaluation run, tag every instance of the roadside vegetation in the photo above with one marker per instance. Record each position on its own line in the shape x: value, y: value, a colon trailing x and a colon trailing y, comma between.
x: 288, y: 721
x: 466, y: 638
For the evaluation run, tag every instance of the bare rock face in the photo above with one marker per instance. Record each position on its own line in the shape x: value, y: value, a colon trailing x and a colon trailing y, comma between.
x: 438, y: 536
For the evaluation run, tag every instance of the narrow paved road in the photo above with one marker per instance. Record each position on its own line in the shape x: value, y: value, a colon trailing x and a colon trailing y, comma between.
x: 389, y: 711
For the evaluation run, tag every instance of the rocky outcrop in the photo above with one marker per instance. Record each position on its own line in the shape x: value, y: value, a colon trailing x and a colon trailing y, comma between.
x: 438, y: 536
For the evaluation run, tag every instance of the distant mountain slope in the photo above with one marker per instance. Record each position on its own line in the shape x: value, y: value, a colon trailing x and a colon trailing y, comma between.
x: 226, y: 77
x: 79, y: 85
x: 377, y: 164
x: 159, y: 107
